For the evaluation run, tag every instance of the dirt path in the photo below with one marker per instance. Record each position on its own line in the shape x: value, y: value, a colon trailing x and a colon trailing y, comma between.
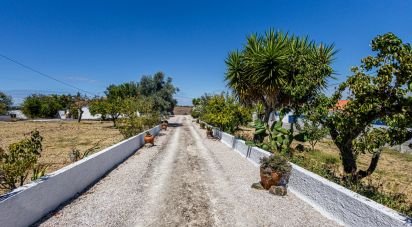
x: 185, y: 180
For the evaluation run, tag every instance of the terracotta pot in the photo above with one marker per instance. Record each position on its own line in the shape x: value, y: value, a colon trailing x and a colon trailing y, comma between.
x: 268, y: 178
x: 149, y: 139
x: 209, y: 133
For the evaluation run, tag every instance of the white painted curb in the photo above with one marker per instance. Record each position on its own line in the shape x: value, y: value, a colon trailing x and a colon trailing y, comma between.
x: 332, y: 200
x: 29, y: 203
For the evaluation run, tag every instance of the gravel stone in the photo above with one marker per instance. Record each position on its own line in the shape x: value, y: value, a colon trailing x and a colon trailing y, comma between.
x: 184, y: 180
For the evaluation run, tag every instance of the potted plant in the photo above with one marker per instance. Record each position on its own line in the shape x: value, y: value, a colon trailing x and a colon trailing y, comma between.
x: 209, y: 132
x: 274, y: 171
x: 149, y: 138
x: 202, y: 125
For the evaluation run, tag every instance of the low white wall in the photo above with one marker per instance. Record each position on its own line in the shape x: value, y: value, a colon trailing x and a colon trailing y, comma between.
x: 242, y: 148
x: 332, y: 200
x: 256, y: 154
x: 227, y: 139
x: 341, y: 204
x: 29, y: 203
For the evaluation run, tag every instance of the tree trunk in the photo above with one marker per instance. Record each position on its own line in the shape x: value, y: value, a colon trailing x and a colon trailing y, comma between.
x: 268, y: 111
x: 348, y: 159
x: 372, y: 166
x: 80, y: 115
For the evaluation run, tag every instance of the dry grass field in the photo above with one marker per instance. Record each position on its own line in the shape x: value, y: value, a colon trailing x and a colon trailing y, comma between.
x: 393, y: 172
x: 182, y: 110
x: 60, y: 137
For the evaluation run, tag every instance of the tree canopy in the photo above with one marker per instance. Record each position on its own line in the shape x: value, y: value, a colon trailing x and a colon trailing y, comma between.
x: 279, y: 70
x: 156, y: 87
x: 379, y: 89
x: 5, y: 102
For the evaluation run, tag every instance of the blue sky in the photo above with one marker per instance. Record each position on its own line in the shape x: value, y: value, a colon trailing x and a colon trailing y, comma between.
x: 91, y: 44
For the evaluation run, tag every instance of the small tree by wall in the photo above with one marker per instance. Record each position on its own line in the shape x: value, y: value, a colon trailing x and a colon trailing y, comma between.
x: 20, y: 158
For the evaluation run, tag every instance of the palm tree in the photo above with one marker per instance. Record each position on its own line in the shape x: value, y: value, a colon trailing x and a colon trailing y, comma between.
x: 278, y: 70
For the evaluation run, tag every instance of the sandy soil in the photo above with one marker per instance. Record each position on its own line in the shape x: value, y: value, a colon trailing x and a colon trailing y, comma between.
x: 185, y: 180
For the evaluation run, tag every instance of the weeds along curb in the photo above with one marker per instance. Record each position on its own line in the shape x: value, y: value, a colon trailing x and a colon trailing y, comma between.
x: 29, y: 203
x: 332, y: 200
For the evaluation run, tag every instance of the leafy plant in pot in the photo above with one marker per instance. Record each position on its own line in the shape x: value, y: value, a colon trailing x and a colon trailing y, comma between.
x: 274, y: 171
x: 149, y: 138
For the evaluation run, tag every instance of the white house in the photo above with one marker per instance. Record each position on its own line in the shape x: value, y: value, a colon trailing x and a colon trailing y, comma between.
x: 17, y: 114
x: 88, y: 116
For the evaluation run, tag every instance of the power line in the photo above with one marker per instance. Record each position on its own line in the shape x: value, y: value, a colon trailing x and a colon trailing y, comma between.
x: 43, y: 74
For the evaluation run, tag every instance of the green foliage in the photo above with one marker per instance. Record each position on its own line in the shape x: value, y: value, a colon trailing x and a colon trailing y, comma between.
x: 41, y: 106
x: 151, y: 96
x: 279, y: 71
x: 199, y: 105
x: 39, y: 171
x: 134, y: 122
x: 161, y: 89
x: 132, y: 126
x: 20, y: 158
x: 378, y: 89
x: 106, y: 107
x: 276, y: 163
x: 99, y: 106
x: 125, y: 90
x: 156, y: 87
x: 260, y: 131
x: 279, y: 137
x: 312, y: 132
x: 46, y: 106
x: 225, y: 112
x: 5, y: 102
x: 75, y: 154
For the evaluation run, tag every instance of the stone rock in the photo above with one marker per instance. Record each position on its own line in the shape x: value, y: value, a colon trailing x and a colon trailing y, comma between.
x: 278, y: 190
x: 258, y: 186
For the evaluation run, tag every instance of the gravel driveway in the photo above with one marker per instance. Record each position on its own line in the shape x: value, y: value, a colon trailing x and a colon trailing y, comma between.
x: 185, y: 180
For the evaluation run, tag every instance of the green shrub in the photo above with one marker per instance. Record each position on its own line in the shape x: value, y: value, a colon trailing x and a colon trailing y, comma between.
x: 276, y: 163
x: 225, y: 112
x: 134, y: 125
x: 39, y: 170
x: 21, y: 157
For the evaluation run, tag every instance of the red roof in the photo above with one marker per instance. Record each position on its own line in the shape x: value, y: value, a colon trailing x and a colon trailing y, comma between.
x: 341, y: 104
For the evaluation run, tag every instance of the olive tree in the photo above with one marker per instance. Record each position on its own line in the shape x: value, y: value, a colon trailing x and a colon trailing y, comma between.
x: 379, y: 89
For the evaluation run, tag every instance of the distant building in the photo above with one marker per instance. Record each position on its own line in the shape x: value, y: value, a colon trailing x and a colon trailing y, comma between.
x: 62, y: 114
x: 88, y: 116
x: 17, y: 115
